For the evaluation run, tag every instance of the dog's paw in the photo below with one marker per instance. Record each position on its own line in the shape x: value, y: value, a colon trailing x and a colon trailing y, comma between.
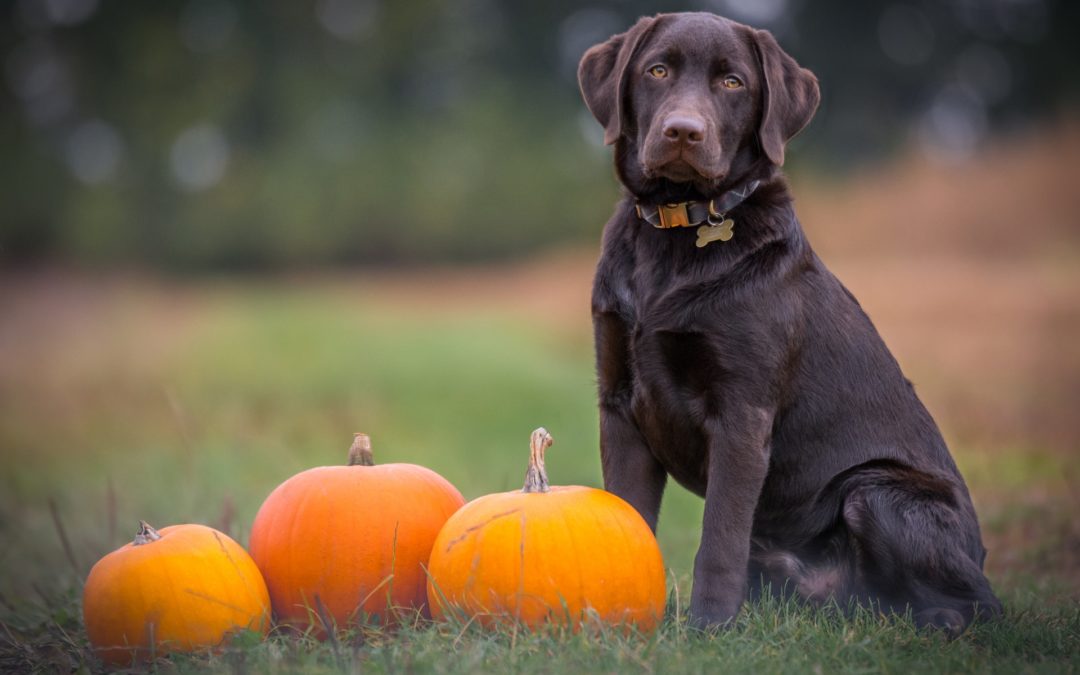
x: 948, y: 621
x: 711, y: 617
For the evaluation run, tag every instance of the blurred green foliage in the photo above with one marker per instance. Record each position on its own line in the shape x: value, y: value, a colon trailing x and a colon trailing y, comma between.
x: 220, y: 134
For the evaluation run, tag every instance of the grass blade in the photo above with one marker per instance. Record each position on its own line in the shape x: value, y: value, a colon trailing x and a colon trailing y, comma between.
x: 69, y: 552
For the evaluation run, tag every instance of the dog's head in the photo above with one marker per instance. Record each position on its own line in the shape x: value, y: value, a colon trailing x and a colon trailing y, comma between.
x: 694, y: 102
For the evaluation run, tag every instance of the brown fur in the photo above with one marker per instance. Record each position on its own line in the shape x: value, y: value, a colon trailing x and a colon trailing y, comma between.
x: 745, y: 370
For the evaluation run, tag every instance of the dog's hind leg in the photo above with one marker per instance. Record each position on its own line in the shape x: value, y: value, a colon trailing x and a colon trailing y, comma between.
x: 917, y: 546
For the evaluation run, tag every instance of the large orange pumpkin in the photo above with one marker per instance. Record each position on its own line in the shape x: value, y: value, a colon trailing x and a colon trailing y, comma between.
x: 350, y: 539
x: 564, y: 555
x: 183, y: 588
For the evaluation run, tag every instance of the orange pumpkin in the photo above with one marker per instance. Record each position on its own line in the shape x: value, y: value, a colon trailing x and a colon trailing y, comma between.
x: 183, y: 588
x: 350, y: 539
x: 562, y: 555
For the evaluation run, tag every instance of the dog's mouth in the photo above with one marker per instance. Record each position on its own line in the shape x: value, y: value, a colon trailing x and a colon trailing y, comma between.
x: 683, y: 167
x: 683, y: 172
x: 678, y: 171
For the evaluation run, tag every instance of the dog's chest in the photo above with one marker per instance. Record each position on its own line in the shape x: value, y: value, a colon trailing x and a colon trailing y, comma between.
x: 673, y: 356
x: 694, y: 336
x: 670, y: 351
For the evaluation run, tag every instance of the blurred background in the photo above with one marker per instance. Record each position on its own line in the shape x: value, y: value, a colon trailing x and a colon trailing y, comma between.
x: 222, y: 135
x: 232, y: 234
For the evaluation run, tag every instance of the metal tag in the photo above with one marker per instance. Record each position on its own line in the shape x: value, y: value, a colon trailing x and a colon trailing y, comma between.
x: 722, y: 231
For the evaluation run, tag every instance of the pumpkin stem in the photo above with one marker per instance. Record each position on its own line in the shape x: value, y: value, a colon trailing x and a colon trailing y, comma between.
x: 146, y: 534
x: 536, y: 479
x: 360, y: 452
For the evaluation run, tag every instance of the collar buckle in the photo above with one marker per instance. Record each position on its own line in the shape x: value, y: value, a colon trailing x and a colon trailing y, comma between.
x: 673, y: 215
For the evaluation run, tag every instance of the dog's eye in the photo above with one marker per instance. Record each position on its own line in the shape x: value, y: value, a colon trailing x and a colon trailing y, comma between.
x: 731, y: 82
x: 658, y: 71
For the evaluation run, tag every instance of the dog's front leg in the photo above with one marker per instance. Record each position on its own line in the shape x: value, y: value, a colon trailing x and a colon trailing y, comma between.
x: 630, y: 469
x: 738, y: 447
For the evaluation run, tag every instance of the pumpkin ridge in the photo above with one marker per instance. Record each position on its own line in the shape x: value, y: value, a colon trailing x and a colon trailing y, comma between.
x: 577, y: 569
x: 201, y: 555
x: 393, y: 567
x: 523, y: 530
x: 236, y: 568
x: 475, y: 564
x: 249, y: 572
x: 626, y: 538
x: 179, y: 610
x: 657, y: 558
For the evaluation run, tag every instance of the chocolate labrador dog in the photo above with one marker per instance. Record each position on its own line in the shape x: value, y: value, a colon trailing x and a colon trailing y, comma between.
x: 730, y: 358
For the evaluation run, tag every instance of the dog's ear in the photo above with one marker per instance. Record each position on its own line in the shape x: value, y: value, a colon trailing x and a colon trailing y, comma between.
x: 790, y: 96
x: 602, y: 76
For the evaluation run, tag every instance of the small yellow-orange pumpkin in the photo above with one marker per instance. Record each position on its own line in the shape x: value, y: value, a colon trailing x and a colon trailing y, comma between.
x: 350, y: 539
x: 564, y: 555
x: 183, y: 588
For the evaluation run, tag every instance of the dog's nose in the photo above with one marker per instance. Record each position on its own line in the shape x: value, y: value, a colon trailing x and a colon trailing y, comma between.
x: 684, y: 129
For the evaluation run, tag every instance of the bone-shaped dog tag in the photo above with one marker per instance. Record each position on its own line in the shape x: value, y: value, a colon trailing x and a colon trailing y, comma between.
x: 723, y: 231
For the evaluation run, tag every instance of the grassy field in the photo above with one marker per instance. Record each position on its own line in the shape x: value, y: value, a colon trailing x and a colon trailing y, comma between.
x: 126, y: 396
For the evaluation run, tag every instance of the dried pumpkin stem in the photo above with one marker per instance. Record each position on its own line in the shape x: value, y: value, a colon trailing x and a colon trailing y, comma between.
x: 146, y: 534
x: 360, y: 452
x: 536, y: 479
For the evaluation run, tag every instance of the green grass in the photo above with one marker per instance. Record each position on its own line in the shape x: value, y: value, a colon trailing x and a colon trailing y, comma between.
x: 771, y: 636
x: 194, y: 413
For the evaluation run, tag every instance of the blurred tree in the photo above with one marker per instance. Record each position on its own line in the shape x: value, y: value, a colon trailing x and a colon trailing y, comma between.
x: 218, y: 134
